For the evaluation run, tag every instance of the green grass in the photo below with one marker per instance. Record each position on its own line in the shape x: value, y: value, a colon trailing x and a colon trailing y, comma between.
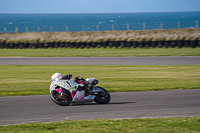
x: 20, y: 80
x: 95, y: 52
x: 155, y: 125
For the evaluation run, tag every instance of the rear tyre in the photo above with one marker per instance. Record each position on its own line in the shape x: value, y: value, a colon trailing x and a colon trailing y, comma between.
x: 63, y: 100
x: 102, y: 97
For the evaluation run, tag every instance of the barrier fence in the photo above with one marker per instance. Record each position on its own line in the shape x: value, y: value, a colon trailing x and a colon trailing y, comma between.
x: 105, y: 44
x: 101, y: 27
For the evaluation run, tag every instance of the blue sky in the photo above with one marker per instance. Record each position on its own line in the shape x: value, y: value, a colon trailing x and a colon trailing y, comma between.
x: 97, y: 6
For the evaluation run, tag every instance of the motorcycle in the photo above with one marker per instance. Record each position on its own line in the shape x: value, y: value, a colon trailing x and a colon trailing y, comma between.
x: 66, y: 92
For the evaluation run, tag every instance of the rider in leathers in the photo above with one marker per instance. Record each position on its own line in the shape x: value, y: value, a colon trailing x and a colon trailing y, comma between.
x: 79, y: 80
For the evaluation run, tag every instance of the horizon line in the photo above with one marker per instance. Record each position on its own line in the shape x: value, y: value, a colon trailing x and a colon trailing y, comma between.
x: 106, y: 13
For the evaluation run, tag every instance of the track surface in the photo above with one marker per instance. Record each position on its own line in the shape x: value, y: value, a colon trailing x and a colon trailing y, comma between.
x: 28, y: 109
x: 190, y: 60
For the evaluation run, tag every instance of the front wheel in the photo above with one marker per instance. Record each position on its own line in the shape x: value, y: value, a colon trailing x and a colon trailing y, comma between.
x: 63, y: 99
x: 103, y: 97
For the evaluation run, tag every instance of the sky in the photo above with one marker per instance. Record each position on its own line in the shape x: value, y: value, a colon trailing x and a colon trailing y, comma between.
x: 97, y: 6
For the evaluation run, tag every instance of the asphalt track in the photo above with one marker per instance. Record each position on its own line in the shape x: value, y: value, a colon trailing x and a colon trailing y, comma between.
x: 189, y: 60
x: 28, y: 109
x: 128, y: 105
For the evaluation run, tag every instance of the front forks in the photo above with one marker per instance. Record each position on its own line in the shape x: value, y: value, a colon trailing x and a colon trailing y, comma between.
x: 62, y: 94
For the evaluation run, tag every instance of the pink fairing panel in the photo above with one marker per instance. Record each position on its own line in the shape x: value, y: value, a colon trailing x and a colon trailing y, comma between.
x: 73, y: 94
x: 80, y: 97
x: 58, y: 90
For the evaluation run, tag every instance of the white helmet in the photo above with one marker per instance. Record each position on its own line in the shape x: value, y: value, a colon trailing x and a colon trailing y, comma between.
x: 56, y: 75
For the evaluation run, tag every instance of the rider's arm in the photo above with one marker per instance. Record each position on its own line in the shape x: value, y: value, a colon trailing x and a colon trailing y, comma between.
x: 67, y: 77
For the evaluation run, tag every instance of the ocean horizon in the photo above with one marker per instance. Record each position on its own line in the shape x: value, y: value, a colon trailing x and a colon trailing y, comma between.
x: 10, y: 22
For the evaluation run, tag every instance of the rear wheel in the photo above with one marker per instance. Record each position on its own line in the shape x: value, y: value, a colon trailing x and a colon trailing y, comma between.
x: 63, y: 99
x: 103, y: 97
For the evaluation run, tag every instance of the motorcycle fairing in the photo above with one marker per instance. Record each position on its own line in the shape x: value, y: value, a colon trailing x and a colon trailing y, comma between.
x: 71, y: 85
x: 66, y: 84
x: 79, y: 95
x: 59, y: 90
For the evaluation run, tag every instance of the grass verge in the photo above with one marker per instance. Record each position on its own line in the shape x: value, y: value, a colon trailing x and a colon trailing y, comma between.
x: 137, y: 35
x: 20, y: 80
x: 95, y: 52
x: 156, y: 125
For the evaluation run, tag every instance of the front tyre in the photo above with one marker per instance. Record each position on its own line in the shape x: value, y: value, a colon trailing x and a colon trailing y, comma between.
x: 103, y: 97
x: 61, y: 99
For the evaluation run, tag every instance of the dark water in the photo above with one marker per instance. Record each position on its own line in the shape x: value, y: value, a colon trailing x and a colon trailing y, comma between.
x: 118, y: 21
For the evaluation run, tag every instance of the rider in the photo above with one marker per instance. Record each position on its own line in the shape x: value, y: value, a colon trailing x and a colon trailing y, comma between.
x: 78, y: 79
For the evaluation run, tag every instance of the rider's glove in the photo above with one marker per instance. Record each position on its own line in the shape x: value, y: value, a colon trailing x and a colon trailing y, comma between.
x: 85, y: 84
x: 69, y: 76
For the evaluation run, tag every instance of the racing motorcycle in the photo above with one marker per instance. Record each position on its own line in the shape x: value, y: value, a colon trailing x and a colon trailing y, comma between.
x: 66, y: 92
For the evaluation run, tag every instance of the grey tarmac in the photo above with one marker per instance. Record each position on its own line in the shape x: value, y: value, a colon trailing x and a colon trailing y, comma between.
x: 128, y: 105
x: 169, y: 60
x: 124, y: 105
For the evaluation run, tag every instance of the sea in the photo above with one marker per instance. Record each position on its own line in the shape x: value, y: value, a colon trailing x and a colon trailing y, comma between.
x: 97, y: 22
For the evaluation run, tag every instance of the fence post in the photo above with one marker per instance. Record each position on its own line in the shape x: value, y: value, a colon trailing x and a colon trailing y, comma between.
x: 113, y: 27
x: 161, y: 25
x: 144, y: 26
x: 197, y: 24
x: 66, y: 28
x: 38, y: 29
x: 5, y: 29
x: 51, y: 28
x: 179, y: 25
x: 127, y: 26
x: 97, y: 27
x: 16, y: 29
x: 83, y: 28
x: 26, y: 29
